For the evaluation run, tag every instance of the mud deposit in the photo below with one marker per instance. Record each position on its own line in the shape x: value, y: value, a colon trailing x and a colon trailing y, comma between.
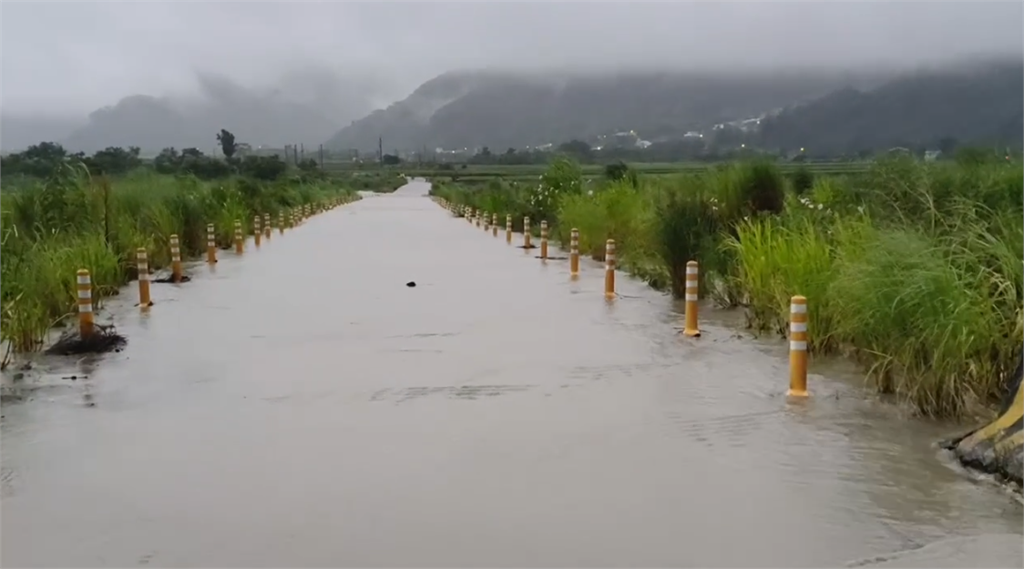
x: 298, y: 406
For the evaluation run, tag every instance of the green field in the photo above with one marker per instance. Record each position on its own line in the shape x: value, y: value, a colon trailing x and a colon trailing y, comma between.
x: 473, y: 171
x: 475, y: 175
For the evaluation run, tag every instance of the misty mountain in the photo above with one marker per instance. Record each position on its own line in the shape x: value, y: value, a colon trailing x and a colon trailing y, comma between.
x: 19, y: 132
x: 500, y: 110
x: 308, y: 109
x: 981, y: 103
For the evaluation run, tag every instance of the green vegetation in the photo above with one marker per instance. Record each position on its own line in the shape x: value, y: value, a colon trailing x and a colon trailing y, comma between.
x: 72, y: 217
x: 915, y: 269
x: 380, y: 181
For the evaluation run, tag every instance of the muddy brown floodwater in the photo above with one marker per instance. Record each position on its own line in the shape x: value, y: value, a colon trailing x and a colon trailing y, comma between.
x: 301, y: 406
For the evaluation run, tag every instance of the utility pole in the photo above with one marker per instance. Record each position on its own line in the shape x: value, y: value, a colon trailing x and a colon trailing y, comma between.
x: 321, y: 157
x: 380, y: 150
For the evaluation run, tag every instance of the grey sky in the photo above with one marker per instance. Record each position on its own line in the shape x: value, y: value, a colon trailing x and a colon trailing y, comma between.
x: 73, y: 57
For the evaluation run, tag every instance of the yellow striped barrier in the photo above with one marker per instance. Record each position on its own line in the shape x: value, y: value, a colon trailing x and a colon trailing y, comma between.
x: 609, y: 269
x: 239, y: 241
x: 142, y: 264
x: 544, y: 241
x: 211, y: 244
x: 574, y: 253
x: 692, y: 294
x: 86, y: 327
x: 175, y: 259
x: 797, y: 347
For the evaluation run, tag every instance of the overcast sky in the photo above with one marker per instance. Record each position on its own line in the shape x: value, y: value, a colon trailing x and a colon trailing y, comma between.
x: 72, y: 57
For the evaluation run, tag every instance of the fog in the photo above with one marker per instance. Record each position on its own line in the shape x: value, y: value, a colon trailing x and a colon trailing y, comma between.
x: 69, y: 59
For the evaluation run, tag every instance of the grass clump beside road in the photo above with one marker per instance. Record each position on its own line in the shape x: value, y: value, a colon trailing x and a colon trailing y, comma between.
x: 378, y: 181
x: 52, y: 227
x: 914, y: 269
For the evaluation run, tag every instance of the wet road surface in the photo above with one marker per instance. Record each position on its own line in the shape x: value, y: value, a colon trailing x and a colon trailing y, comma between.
x: 300, y: 406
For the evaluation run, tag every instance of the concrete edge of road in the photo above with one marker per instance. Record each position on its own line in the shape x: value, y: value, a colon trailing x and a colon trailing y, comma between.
x: 987, y: 550
x: 998, y: 447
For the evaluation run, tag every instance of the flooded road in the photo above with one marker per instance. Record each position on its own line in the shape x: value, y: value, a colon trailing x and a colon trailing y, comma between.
x: 300, y: 406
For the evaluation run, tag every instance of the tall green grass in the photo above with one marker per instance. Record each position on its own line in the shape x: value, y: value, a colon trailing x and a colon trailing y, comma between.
x: 51, y: 228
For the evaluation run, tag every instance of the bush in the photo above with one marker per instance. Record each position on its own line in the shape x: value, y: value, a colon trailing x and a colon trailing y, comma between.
x: 803, y: 180
x: 266, y: 168
x: 562, y: 178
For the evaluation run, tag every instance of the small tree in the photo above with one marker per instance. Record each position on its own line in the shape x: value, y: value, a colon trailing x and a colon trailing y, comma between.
x: 563, y: 177
x: 803, y: 179
x: 227, y: 143
x: 618, y: 171
x: 113, y: 160
x: 168, y: 161
x: 267, y: 168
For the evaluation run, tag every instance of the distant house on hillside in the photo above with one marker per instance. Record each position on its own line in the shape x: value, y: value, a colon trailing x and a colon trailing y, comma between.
x: 932, y: 155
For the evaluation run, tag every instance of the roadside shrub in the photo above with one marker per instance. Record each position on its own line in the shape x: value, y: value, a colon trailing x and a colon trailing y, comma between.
x: 803, y: 179
x: 562, y: 178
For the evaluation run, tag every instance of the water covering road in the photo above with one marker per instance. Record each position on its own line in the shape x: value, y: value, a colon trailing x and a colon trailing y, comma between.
x: 300, y: 406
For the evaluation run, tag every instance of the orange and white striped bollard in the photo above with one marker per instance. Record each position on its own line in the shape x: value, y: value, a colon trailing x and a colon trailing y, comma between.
x: 508, y: 229
x: 526, y: 233
x: 691, y: 294
x: 574, y: 252
x: 142, y: 264
x: 211, y: 244
x: 280, y: 223
x: 257, y: 231
x: 494, y: 225
x: 798, y: 347
x: 239, y: 240
x: 175, y: 259
x: 543, y: 240
x: 85, y: 321
x: 487, y: 221
x: 267, y: 232
x: 609, y: 269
